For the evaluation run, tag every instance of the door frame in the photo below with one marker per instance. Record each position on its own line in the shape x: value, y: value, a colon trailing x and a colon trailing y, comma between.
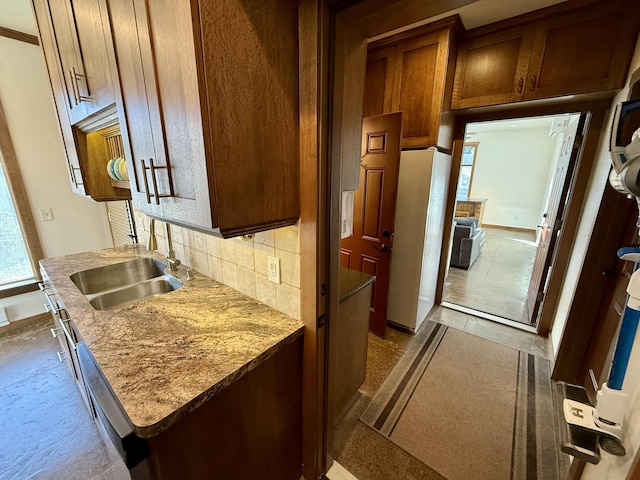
x: 595, y: 111
x: 332, y: 39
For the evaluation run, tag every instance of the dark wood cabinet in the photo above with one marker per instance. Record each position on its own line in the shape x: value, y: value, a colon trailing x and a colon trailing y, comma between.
x: 553, y: 52
x: 79, y: 42
x: 210, y: 96
x: 76, y: 46
x: 492, y: 69
x: 410, y: 72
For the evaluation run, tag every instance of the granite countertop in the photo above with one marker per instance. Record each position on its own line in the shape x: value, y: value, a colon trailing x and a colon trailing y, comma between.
x: 169, y: 354
x: 352, y: 281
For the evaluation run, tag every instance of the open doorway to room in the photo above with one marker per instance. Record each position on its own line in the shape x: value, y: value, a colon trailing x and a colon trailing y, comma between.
x: 503, y: 201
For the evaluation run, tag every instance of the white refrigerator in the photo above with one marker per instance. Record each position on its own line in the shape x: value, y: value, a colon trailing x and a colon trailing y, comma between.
x: 423, y: 182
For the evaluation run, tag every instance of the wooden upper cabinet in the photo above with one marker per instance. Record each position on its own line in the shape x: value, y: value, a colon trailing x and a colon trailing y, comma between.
x: 78, y: 55
x: 378, y: 83
x: 210, y: 96
x: 584, y: 51
x: 492, y: 69
x: 410, y: 72
x: 418, y: 87
x: 94, y: 80
x: 81, y: 51
x: 560, y: 50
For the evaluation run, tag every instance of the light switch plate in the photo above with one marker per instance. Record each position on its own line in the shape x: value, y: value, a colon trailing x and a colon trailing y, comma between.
x: 273, y: 269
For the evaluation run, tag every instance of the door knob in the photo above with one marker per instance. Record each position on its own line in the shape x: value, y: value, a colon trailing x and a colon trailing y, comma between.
x: 382, y: 248
x: 385, y: 233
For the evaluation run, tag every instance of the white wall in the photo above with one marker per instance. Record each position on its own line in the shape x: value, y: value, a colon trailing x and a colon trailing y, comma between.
x: 78, y: 224
x: 610, y: 467
x: 512, y: 171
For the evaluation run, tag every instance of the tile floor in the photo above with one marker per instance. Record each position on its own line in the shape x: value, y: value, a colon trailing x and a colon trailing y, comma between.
x: 498, y: 280
x: 47, y: 431
x: 364, y: 452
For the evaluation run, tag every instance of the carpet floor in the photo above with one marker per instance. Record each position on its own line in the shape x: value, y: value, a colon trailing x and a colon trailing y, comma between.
x: 470, y: 408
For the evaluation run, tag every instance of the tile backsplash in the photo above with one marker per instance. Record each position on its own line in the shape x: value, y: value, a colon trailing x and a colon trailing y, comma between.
x: 237, y: 262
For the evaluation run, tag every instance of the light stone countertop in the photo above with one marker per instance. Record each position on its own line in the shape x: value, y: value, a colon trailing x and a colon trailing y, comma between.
x: 167, y: 355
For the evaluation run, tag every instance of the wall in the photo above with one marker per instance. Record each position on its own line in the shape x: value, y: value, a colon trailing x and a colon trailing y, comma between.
x: 78, y: 224
x: 610, y: 467
x: 238, y: 263
x: 512, y: 171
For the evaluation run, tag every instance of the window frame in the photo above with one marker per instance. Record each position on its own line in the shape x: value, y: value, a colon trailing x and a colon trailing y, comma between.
x: 23, y: 211
x: 473, y: 166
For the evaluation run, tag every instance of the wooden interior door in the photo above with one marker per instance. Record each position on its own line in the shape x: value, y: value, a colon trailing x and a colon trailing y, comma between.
x: 565, y: 165
x: 369, y: 248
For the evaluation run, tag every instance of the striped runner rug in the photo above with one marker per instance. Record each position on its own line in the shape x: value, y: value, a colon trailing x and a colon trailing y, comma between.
x: 470, y: 408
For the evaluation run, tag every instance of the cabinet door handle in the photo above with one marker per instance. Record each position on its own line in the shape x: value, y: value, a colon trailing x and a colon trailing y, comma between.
x: 146, y: 182
x: 55, y: 332
x: 532, y: 86
x: 62, y: 356
x: 74, y: 85
x: 520, y: 84
x: 77, y: 75
x: 67, y: 333
x: 154, y: 181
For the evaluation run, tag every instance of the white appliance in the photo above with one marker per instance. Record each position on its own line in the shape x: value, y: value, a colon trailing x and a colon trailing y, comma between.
x: 423, y: 181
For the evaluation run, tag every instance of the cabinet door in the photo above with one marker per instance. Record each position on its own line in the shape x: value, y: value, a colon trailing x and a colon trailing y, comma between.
x: 492, y: 69
x: 60, y: 94
x: 378, y: 82
x: 65, y: 45
x: 418, y: 87
x: 94, y: 76
x: 174, y: 94
x: 583, y: 51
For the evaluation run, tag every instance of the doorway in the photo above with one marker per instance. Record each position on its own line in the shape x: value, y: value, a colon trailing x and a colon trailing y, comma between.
x: 503, y: 201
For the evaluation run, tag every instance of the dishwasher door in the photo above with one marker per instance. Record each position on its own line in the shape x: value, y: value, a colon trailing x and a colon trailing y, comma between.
x: 132, y: 449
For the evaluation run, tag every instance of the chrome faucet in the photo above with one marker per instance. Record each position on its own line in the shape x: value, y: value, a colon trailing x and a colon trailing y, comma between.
x: 171, y: 260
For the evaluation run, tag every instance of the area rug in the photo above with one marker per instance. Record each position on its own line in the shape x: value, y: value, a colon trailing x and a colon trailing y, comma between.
x: 469, y: 408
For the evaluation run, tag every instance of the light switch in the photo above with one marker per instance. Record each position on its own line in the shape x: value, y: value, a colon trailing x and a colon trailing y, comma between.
x: 273, y: 269
x: 46, y: 215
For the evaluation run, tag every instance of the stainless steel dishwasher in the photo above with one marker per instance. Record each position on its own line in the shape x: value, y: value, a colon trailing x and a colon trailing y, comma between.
x: 115, y: 427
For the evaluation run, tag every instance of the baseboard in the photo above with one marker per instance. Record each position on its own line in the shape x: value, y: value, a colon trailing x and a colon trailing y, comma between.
x: 18, y: 326
x: 513, y: 229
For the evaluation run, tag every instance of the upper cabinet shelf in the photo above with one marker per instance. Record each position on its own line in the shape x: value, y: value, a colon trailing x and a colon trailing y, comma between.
x: 574, y: 51
x: 210, y: 97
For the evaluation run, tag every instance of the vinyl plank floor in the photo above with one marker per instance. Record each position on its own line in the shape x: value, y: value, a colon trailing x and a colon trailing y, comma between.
x: 47, y: 431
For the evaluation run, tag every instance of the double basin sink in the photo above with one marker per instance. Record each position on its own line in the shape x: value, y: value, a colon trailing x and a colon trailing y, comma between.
x: 121, y: 284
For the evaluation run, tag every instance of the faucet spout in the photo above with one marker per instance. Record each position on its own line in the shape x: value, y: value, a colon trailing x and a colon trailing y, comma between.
x: 171, y: 260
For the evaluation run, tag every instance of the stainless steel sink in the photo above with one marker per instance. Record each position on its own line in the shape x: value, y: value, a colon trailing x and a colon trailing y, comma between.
x: 118, y: 275
x: 135, y: 293
x: 121, y: 284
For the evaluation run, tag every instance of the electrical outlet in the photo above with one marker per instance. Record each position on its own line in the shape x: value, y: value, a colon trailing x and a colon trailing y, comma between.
x: 273, y: 269
x: 140, y: 224
x: 46, y: 215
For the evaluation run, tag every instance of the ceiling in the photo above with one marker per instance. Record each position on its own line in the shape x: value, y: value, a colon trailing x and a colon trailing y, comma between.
x: 475, y: 13
x: 17, y: 14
